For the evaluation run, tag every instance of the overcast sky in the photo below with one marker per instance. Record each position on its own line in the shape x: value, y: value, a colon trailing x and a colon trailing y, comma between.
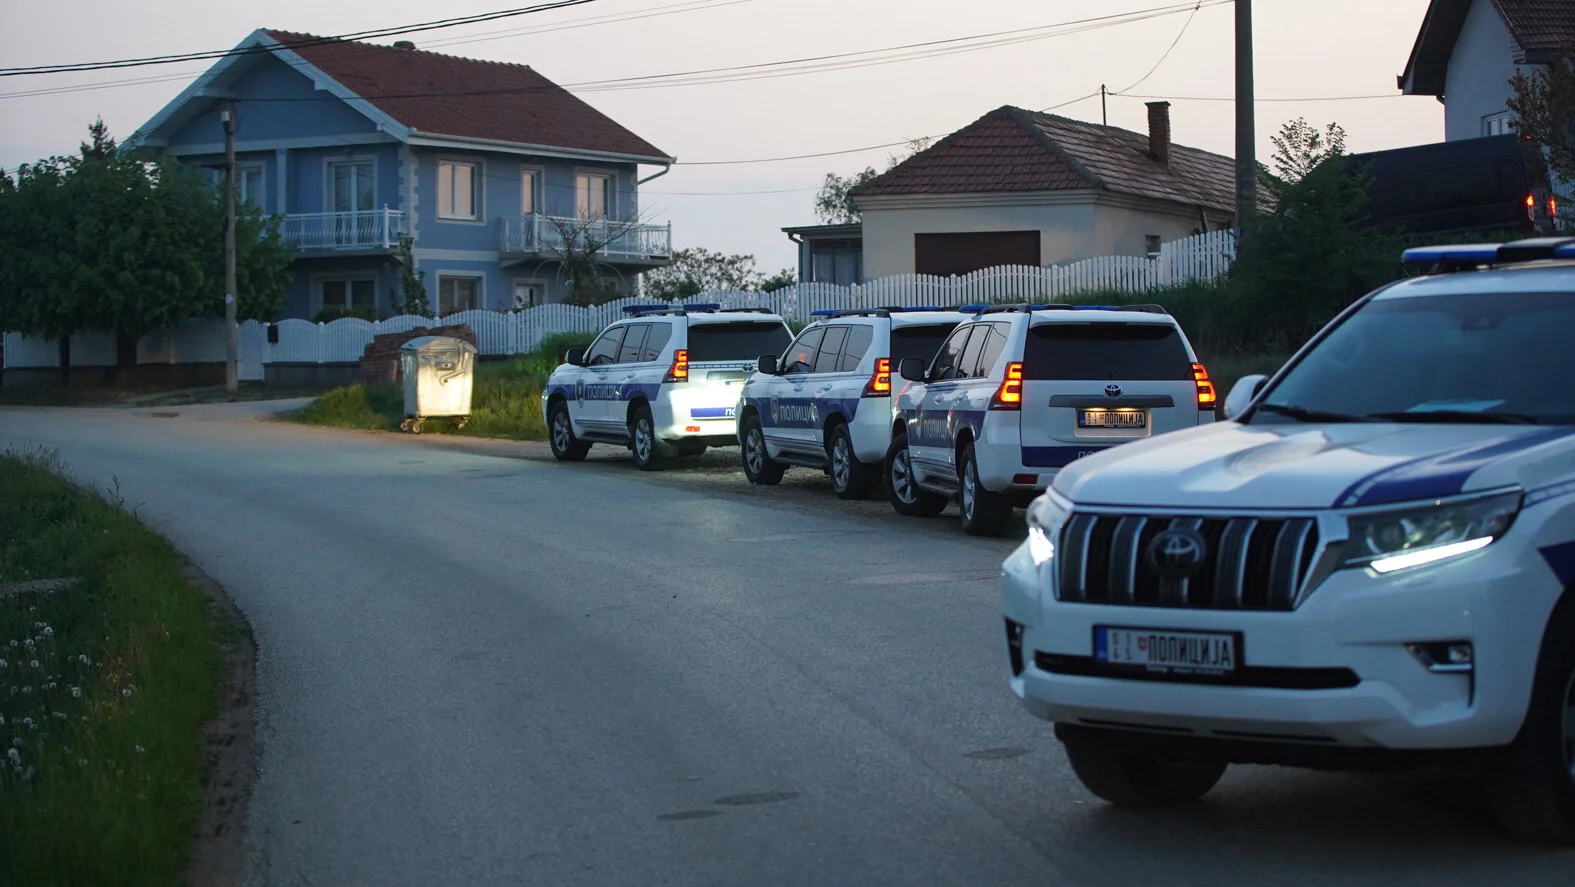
x: 1303, y: 49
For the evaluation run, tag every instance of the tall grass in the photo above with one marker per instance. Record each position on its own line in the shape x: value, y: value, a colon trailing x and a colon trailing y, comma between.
x: 104, y: 689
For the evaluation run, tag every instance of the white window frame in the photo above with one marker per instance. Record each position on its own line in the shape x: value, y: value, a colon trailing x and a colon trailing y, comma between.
x: 241, y: 169
x: 1499, y: 121
x: 610, y: 202
x: 328, y: 179
x: 531, y: 198
x: 477, y: 178
x: 481, y: 289
x: 319, y: 280
x: 528, y: 281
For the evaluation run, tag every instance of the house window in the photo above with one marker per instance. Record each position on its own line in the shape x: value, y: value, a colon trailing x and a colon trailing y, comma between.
x: 1496, y: 124
x: 593, y: 196
x: 248, y: 183
x: 530, y: 181
x: 457, y: 196
x: 529, y: 293
x: 458, y: 294
x: 1151, y: 245
x: 358, y: 292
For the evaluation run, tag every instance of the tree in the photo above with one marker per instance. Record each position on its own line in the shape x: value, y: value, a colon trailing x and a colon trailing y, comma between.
x: 111, y: 240
x: 411, y: 297
x: 698, y: 270
x: 1543, y: 106
x: 834, y: 206
x: 579, y: 246
x: 1301, y: 148
x: 780, y: 280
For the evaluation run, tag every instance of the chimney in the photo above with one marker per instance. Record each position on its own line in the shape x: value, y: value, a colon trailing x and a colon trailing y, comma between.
x: 1159, y: 131
x: 404, y: 44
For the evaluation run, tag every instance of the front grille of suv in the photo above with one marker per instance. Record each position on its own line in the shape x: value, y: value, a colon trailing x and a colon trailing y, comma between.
x: 1248, y: 563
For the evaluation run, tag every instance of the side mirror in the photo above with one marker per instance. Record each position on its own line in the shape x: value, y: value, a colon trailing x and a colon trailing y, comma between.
x: 575, y: 357
x: 911, y: 369
x: 767, y: 364
x: 1242, y: 393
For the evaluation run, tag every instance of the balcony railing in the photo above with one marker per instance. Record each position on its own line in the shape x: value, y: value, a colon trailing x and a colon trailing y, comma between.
x: 365, y: 230
x: 537, y: 234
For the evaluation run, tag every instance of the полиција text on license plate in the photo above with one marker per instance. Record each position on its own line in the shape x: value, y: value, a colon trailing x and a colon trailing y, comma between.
x: 1183, y: 652
x: 1102, y: 418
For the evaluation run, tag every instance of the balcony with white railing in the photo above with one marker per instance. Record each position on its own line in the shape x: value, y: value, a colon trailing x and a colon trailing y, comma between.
x: 536, y: 235
x: 364, y: 231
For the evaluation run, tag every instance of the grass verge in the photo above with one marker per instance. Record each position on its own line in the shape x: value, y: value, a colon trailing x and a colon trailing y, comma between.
x: 105, y: 687
x: 505, y: 402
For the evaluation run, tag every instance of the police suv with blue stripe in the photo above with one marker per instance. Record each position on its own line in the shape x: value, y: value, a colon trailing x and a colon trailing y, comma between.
x: 1020, y: 391
x: 826, y: 403
x: 1371, y: 562
x: 663, y: 382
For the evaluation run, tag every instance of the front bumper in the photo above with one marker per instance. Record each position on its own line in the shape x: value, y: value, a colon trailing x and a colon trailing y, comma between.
x: 1355, y: 623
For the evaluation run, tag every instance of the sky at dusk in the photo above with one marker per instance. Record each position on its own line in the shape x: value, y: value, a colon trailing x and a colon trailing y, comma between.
x: 1345, y: 53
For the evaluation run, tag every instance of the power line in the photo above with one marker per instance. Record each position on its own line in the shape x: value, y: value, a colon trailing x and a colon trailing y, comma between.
x: 1199, y: 98
x: 1184, y: 25
x: 315, y: 41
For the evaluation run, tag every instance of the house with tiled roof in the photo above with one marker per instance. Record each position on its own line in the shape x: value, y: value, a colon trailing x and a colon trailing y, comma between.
x: 497, y: 174
x: 1017, y: 187
x: 1467, y: 50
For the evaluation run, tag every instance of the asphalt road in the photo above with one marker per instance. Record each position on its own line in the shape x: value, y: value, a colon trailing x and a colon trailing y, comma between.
x: 481, y: 667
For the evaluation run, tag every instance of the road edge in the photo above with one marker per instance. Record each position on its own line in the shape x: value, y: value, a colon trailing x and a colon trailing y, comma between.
x: 229, y: 745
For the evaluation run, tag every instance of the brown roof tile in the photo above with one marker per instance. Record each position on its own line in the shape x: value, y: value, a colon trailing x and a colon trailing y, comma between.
x: 1539, y: 24
x: 446, y: 95
x: 1010, y: 149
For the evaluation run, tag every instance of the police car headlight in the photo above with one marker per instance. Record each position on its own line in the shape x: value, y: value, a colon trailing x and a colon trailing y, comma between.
x: 1401, y: 538
x: 1045, y: 516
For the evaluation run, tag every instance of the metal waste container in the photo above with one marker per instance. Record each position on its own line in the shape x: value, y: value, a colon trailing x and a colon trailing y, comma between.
x: 437, y: 371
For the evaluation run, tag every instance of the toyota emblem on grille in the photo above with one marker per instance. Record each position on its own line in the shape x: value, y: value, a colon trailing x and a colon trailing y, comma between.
x: 1112, y: 390
x: 1176, y: 554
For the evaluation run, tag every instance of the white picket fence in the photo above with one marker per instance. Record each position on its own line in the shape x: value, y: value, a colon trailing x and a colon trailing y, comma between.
x: 1201, y: 257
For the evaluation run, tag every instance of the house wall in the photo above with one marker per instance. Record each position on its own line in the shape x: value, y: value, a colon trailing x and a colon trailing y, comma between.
x: 1067, y: 230
x: 1123, y: 230
x: 1477, y: 82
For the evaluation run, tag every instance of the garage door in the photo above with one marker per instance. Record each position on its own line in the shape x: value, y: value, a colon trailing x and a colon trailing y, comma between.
x: 946, y: 254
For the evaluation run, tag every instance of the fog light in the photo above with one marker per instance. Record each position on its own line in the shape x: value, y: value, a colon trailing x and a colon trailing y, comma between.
x: 1014, y: 646
x: 1444, y: 657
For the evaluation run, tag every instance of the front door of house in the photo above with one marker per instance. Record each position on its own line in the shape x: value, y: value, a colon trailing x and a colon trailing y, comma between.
x: 351, y: 193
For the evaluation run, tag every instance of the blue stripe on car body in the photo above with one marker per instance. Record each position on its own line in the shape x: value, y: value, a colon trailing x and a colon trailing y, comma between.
x: 1441, y: 474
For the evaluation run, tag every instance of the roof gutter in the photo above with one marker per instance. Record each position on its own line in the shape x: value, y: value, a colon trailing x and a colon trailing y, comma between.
x: 657, y: 175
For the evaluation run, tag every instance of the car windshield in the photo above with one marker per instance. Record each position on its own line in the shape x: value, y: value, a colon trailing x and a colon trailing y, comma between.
x: 1480, y: 357
x: 739, y: 340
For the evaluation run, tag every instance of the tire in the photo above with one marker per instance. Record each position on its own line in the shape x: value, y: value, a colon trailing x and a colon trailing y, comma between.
x: 906, y: 497
x: 648, y: 455
x: 560, y: 435
x: 983, y: 513
x: 759, y: 467
x: 1531, y: 784
x: 850, y: 478
x: 1137, y: 778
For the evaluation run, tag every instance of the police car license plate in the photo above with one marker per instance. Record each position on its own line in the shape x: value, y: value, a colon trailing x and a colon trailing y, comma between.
x: 1112, y: 419
x: 1172, y: 652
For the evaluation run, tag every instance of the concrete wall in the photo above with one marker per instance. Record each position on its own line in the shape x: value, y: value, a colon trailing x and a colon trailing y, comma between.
x: 1477, y: 83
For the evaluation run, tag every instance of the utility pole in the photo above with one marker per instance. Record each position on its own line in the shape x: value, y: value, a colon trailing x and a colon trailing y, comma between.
x: 1103, y: 117
x: 1246, y: 156
x: 231, y: 332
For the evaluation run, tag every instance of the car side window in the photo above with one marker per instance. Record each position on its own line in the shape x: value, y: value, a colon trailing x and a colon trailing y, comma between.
x: 831, y: 349
x: 993, y: 346
x: 968, y: 363
x: 633, y: 343
x: 945, y: 364
x: 656, y: 341
x: 853, y: 350
x: 604, y: 350
x: 800, y: 356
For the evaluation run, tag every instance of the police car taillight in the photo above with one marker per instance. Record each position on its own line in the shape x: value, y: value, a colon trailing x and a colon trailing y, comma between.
x: 1010, y: 395
x: 679, y: 371
x: 1206, y: 396
x: 1531, y: 210
x: 879, y: 384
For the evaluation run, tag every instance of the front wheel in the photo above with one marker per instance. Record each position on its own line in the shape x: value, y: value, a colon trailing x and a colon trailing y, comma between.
x: 904, y: 493
x: 759, y: 467
x: 983, y: 513
x: 1128, y: 778
x: 560, y: 435
x: 642, y: 439
x: 1532, y: 782
x: 850, y: 478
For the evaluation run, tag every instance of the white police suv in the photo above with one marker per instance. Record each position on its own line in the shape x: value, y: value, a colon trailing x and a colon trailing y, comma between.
x: 826, y: 403
x: 662, y: 382
x: 1020, y: 391
x: 1370, y: 564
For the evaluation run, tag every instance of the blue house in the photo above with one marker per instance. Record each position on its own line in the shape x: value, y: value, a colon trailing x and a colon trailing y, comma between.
x: 497, y: 174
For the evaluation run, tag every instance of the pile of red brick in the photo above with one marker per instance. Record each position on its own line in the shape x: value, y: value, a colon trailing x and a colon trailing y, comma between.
x: 380, y: 360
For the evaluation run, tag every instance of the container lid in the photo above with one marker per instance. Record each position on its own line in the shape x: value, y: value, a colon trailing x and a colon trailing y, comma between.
x: 438, y: 343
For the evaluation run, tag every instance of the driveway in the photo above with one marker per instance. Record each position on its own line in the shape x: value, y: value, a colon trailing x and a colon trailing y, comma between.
x: 478, y: 666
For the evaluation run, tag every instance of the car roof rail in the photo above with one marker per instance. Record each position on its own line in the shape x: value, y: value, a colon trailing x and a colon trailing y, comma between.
x: 745, y: 311
x: 1146, y: 307
x: 1024, y: 308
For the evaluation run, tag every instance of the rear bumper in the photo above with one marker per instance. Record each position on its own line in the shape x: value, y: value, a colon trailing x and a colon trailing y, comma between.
x: 687, y: 410
x: 871, y: 429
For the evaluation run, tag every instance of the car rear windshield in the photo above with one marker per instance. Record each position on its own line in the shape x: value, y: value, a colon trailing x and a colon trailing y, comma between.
x: 740, y: 340
x: 921, y: 341
x: 1087, y: 351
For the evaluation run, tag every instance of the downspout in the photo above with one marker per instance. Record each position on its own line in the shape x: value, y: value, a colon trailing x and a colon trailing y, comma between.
x: 665, y: 171
x: 802, y: 265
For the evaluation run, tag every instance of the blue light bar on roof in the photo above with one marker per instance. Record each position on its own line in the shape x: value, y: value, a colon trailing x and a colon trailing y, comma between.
x: 824, y: 312
x: 640, y: 309
x: 1453, y: 254
x: 924, y: 308
x: 1094, y: 307
x: 973, y: 307
x: 1567, y: 251
x: 705, y: 307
